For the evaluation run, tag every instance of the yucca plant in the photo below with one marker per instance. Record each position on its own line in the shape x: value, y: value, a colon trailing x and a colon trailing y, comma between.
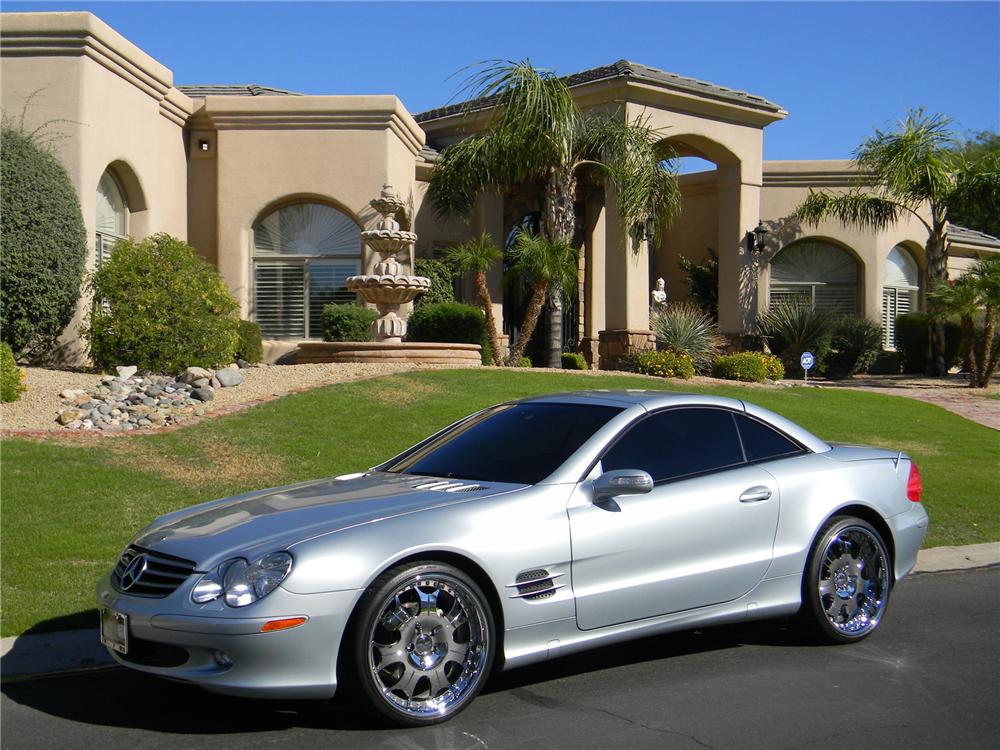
x: 856, y: 343
x: 686, y: 329
x: 795, y: 328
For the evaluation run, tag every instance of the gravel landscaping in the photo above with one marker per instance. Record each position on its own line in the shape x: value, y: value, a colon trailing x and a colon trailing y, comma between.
x: 38, y: 407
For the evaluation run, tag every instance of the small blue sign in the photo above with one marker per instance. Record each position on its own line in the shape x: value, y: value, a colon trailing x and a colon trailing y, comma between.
x: 807, y: 360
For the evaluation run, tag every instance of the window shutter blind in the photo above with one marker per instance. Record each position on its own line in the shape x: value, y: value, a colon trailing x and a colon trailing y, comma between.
x: 279, y: 299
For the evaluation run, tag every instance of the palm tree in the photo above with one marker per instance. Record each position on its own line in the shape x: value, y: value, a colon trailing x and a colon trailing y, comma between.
x: 536, y: 134
x: 912, y: 167
x: 551, y: 266
x: 975, y: 293
x: 478, y: 256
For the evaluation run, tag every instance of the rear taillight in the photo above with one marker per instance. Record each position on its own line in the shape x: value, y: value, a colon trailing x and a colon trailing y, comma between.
x: 914, y: 485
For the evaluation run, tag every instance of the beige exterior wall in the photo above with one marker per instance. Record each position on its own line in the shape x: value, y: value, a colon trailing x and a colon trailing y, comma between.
x: 112, y: 105
x: 268, y: 151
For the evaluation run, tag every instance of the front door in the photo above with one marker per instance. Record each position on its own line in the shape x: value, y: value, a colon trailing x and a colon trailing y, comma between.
x: 703, y: 535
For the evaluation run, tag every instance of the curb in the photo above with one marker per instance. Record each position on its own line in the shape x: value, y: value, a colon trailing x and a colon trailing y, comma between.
x: 26, y: 656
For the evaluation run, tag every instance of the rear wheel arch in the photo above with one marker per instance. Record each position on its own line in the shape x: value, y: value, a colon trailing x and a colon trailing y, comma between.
x: 872, y: 516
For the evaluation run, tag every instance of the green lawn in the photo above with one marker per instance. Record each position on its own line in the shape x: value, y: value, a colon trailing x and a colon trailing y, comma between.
x: 68, y: 509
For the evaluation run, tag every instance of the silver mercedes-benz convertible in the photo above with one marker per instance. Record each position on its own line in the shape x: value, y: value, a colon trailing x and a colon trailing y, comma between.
x: 526, y: 531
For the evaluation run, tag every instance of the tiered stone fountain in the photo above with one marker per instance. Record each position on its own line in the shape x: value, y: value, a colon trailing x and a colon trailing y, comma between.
x: 389, y: 288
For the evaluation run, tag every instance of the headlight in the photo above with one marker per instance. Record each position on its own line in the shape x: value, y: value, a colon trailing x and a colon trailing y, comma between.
x: 243, y: 583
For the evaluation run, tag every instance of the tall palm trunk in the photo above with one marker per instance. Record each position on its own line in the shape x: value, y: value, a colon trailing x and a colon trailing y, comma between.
x: 483, y: 291
x: 530, y: 321
x: 937, y: 272
x: 988, y: 358
x: 559, y: 224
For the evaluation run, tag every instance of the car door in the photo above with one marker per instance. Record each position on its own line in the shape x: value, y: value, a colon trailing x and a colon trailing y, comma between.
x: 702, y: 536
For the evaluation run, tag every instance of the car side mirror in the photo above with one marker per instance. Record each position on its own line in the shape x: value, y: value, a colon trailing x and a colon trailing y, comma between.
x: 621, y: 482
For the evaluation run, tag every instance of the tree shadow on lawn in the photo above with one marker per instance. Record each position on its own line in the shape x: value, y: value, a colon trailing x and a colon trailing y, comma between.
x: 119, y: 697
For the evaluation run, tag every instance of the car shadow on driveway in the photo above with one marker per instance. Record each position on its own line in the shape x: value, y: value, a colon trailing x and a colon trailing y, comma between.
x: 119, y: 697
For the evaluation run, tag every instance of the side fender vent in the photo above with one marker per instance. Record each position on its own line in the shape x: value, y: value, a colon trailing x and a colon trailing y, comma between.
x: 449, y: 486
x: 535, y: 584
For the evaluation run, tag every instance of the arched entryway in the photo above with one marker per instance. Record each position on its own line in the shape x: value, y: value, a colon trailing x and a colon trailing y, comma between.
x: 816, y: 273
x: 303, y: 254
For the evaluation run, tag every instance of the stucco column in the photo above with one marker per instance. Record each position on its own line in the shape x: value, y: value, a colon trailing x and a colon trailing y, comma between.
x: 594, y: 282
x: 626, y: 290
x: 739, y: 212
x: 489, y: 219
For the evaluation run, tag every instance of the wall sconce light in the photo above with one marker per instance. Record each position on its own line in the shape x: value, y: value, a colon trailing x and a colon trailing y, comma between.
x: 650, y: 229
x: 203, y: 145
x: 757, y: 237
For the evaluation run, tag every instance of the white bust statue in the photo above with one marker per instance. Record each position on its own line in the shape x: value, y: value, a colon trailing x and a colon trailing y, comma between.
x: 658, y: 296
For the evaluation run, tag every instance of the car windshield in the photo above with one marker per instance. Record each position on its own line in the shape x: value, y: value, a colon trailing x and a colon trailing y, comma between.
x: 521, y: 443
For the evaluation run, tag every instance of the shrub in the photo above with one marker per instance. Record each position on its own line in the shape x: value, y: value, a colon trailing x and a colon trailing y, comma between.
x: 748, y: 367
x: 160, y: 307
x: 665, y: 364
x: 348, y: 322
x: 450, y: 322
x: 43, y: 244
x: 685, y: 329
x: 772, y: 366
x: 11, y: 376
x: 911, y: 341
x: 574, y: 361
x: 442, y: 278
x: 250, y: 348
x: 524, y: 362
x: 855, y: 345
x: 793, y: 329
x: 703, y: 283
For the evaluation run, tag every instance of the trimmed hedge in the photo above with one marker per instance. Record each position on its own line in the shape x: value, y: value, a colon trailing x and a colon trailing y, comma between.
x: 748, y: 367
x: 664, y: 364
x: 43, y: 244
x: 11, y: 376
x: 442, y: 277
x: 160, y: 307
x: 574, y: 361
x: 348, y: 322
x: 450, y: 322
x: 251, y: 347
x: 911, y: 341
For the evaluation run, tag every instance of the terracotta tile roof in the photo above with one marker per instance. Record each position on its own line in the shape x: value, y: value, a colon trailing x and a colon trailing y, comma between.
x: 631, y: 70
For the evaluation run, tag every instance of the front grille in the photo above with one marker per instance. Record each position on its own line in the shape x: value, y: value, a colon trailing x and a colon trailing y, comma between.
x: 157, y: 576
x: 153, y: 654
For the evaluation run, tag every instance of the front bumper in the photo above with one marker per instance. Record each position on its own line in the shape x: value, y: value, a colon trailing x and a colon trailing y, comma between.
x: 222, y: 649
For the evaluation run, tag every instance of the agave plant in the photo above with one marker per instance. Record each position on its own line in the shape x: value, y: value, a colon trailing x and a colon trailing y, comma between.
x: 686, y: 329
x: 795, y: 328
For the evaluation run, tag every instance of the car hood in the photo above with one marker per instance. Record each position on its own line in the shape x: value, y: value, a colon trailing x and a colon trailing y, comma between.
x: 264, y: 521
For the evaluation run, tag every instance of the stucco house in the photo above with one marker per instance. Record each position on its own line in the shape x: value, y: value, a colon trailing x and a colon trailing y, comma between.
x: 273, y: 188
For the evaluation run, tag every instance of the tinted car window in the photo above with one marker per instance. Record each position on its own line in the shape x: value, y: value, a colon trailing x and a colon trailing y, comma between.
x: 762, y: 442
x: 521, y: 443
x: 676, y: 443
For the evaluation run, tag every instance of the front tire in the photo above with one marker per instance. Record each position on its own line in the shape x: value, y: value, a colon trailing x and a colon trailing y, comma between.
x: 423, y: 643
x: 845, y: 590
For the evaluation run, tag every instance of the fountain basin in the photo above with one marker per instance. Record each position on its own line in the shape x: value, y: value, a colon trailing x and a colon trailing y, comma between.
x: 388, y: 290
x: 407, y: 352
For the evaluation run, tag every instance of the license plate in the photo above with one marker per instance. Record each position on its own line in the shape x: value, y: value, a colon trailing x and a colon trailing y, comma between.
x: 114, y: 630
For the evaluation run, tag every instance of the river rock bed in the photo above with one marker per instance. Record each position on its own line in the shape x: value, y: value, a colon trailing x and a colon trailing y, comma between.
x: 128, y: 401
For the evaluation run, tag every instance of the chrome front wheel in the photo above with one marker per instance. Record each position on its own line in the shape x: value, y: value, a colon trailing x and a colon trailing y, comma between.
x: 427, y: 643
x: 848, y: 580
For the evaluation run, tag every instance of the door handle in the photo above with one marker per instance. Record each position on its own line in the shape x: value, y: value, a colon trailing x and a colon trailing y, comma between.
x: 755, y: 495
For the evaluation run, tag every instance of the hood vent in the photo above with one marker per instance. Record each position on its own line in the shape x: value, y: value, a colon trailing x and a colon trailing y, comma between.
x: 535, y: 584
x: 449, y: 485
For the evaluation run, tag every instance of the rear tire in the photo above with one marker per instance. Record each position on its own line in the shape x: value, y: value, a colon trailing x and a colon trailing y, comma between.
x: 422, y: 643
x: 847, y: 580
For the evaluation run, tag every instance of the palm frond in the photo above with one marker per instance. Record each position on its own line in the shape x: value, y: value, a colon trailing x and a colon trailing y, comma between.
x: 536, y: 258
x: 855, y: 208
x: 913, y: 163
x: 475, y: 256
x: 463, y: 170
x: 977, y: 182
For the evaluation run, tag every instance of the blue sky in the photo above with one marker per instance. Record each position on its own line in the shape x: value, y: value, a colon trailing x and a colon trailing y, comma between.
x: 840, y: 69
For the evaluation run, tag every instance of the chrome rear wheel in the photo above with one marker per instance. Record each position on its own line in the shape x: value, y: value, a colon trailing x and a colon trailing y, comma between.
x: 848, y: 580
x: 428, y: 644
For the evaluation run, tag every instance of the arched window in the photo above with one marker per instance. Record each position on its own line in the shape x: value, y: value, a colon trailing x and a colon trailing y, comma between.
x: 302, y: 256
x: 816, y: 273
x: 112, y: 217
x: 900, y: 291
